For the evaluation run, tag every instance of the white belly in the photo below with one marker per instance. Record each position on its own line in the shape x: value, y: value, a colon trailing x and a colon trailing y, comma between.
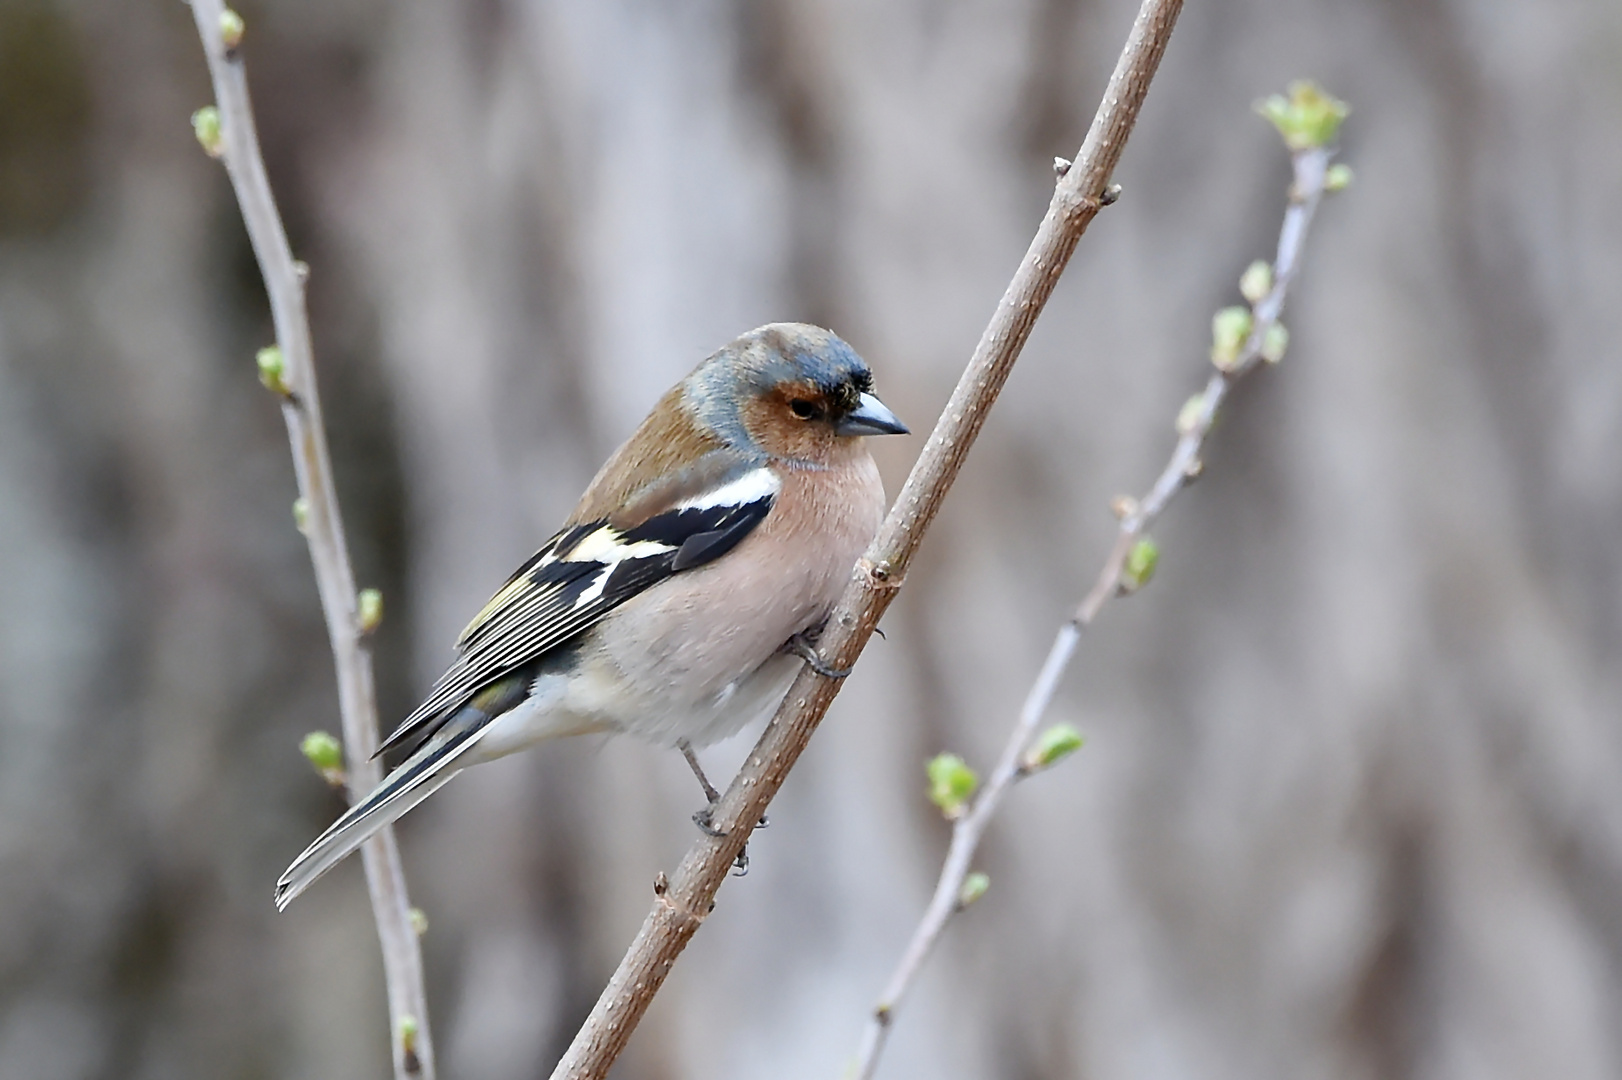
x: 588, y: 703
x: 669, y: 717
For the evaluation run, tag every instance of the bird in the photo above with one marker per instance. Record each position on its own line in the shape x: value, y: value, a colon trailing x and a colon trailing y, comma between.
x: 677, y: 601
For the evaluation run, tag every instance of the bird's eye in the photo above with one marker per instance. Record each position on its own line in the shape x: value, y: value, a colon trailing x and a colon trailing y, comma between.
x: 805, y: 410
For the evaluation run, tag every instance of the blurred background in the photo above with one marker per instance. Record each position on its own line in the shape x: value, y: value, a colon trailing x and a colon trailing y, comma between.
x: 1352, y: 800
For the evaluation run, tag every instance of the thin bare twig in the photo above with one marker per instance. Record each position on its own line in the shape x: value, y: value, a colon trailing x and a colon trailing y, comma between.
x: 682, y: 901
x: 1195, y: 425
x: 412, y: 1048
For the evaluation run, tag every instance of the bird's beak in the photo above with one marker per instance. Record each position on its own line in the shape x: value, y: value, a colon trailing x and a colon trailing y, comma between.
x: 870, y: 417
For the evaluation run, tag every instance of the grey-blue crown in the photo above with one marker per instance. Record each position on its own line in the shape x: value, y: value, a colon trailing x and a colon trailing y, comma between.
x: 766, y: 357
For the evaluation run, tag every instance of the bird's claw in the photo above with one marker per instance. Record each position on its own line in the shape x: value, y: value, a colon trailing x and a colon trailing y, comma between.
x: 702, y: 818
x: 801, y: 646
x: 706, y: 824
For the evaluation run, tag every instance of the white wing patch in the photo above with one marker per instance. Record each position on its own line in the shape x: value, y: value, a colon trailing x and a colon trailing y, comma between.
x: 752, y: 486
x: 595, y: 589
x: 607, y: 545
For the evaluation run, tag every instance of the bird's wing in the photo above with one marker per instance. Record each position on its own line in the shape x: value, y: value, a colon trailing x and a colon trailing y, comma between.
x: 590, y: 568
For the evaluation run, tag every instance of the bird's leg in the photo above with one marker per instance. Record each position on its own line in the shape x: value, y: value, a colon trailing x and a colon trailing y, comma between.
x: 701, y: 818
x: 804, y: 645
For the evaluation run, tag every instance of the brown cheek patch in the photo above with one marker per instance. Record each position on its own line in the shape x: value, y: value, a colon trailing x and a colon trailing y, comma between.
x: 779, y: 432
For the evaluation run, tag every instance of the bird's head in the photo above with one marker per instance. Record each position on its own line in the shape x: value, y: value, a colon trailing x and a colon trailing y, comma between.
x: 793, y: 391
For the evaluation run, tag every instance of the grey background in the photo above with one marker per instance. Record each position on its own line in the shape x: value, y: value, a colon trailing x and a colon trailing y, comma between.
x: 1352, y: 800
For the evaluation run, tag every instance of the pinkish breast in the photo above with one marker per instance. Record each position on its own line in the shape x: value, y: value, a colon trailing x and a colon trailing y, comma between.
x: 689, y: 638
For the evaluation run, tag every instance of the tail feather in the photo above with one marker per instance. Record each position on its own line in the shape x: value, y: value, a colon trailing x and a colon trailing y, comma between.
x: 413, y: 780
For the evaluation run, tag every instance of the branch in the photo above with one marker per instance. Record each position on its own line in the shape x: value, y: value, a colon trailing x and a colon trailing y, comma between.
x: 682, y: 902
x: 289, y: 370
x: 1234, y: 354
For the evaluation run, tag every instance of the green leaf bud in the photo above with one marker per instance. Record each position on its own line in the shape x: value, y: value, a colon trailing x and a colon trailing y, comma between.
x: 1053, y: 745
x: 273, y: 370
x: 301, y: 513
x: 326, y: 753
x: 368, y: 610
x: 419, y: 921
x: 1230, y: 329
x: 1140, y: 564
x: 974, y: 887
x: 205, y: 123
x: 1257, y: 281
x: 1338, y: 177
x: 1188, y: 417
x: 1308, y: 119
x: 951, y: 784
x: 408, y: 1030
x: 231, y: 28
x: 1274, y: 342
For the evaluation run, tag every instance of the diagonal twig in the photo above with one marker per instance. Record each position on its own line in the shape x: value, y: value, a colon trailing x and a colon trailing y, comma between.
x: 236, y: 141
x: 683, y: 900
x: 1310, y: 166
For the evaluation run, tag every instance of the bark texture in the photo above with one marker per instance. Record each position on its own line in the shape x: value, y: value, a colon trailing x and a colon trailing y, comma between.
x: 1352, y: 800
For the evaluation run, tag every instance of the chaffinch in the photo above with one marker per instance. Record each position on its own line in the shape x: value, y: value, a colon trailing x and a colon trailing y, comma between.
x: 721, y: 531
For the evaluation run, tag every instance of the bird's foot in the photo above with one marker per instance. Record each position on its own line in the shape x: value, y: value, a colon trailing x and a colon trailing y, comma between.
x: 705, y: 818
x: 705, y: 821
x: 803, y: 646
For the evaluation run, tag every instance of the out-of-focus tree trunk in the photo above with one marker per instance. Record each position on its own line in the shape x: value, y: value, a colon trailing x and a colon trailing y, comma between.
x: 1352, y: 801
